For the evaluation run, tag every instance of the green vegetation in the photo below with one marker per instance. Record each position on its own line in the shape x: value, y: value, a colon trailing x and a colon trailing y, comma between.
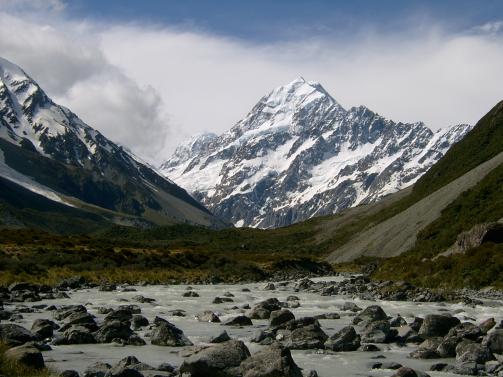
x: 171, y: 253
x: 11, y: 369
x: 479, y: 267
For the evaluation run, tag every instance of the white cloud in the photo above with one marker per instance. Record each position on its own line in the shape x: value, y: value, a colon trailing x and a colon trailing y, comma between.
x: 67, y: 61
x: 493, y: 27
x: 38, y: 5
x: 126, y: 79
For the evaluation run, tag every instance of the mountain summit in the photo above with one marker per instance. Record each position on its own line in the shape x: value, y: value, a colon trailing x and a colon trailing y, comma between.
x: 48, y: 155
x: 298, y: 154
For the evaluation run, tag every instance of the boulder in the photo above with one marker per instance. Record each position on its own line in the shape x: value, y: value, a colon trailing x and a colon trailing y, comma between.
x: 64, y: 311
x: 274, y: 360
x: 97, y: 370
x: 371, y: 314
x: 190, y: 294
x: 487, y: 325
x: 263, y: 309
x: 26, y: 355
x: 408, y: 372
x: 471, y: 352
x: 167, y: 334
x: 139, y: 321
x: 220, y: 338
x: 110, y: 331
x: 221, y: 300
x: 278, y: 317
x: 345, y: 339
x: 240, y: 320
x: 437, y: 325
x: 69, y: 373
x: 376, y: 332
x: 220, y: 360
x: 350, y: 306
x: 447, y: 347
x: 302, y: 333
x: 80, y: 318
x: 143, y: 299
x: 43, y: 328
x: 121, y: 315
x: 15, y: 335
x: 76, y: 335
x: 465, y: 330
x: 494, y: 341
x: 207, y: 316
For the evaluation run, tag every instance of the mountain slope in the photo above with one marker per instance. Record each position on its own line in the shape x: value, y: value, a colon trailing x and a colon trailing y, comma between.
x: 47, y: 149
x: 460, y: 193
x: 299, y: 154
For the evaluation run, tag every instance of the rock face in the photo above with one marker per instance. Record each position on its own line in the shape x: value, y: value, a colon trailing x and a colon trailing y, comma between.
x: 47, y: 150
x: 298, y: 154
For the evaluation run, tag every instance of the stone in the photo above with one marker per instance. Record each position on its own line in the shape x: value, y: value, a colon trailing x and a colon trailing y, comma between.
x: 221, y: 300
x: 370, y: 314
x: 167, y: 334
x: 26, y: 355
x: 139, y: 321
x: 487, y: 325
x: 98, y: 369
x: 43, y: 328
x: 190, y: 294
x: 345, y: 339
x: 278, y: 317
x: 273, y: 360
x: 69, y: 373
x: 471, y: 352
x: 240, y: 320
x: 376, y: 332
x: 220, y: 338
x: 113, y: 330
x: 437, y: 325
x: 207, y: 316
x: 263, y: 309
x: 408, y: 372
x: 351, y: 306
x: 494, y: 341
x: 15, y: 335
x: 219, y: 360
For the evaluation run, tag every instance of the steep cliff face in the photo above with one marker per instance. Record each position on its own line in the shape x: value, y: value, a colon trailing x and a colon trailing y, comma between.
x: 299, y: 154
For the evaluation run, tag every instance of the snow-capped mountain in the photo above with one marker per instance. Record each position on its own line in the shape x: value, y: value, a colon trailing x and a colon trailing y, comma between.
x: 48, y: 150
x: 299, y: 154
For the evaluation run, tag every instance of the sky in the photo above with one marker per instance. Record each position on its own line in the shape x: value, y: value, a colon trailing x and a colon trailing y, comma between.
x: 149, y: 74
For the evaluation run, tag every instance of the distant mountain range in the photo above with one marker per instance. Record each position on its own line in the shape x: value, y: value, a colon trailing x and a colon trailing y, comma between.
x: 59, y: 173
x: 299, y: 154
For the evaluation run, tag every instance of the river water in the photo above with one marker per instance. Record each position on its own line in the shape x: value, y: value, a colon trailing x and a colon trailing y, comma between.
x: 344, y: 364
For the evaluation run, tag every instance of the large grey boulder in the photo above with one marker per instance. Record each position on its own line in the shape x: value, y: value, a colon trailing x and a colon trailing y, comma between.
x: 471, y: 352
x: 370, y: 314
x: 25, y: 355
x: 263, y: 309
x: 345, y: 339
x: 15, y: 335
x: 274, y: 360
x: 278, y: 317
x: 167, y: 334
x: 494, y: 341
x: 437, y: 325
x: 207, y: 316
x: 220, y: 360
x: 302, y: 333
x: 43, y: 328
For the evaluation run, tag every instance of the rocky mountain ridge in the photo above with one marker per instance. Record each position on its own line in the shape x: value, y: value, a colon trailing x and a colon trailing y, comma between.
x: 298, y: 154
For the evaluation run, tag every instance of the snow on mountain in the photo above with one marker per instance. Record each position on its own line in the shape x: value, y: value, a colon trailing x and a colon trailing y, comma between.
x: 49, y: 150
x: 299, y: 154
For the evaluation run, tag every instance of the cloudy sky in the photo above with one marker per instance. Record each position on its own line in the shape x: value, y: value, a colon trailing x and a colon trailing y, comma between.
x: 151, y: 73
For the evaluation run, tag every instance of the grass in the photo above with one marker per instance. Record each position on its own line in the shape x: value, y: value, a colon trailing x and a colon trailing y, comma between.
x: 9, y: 368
